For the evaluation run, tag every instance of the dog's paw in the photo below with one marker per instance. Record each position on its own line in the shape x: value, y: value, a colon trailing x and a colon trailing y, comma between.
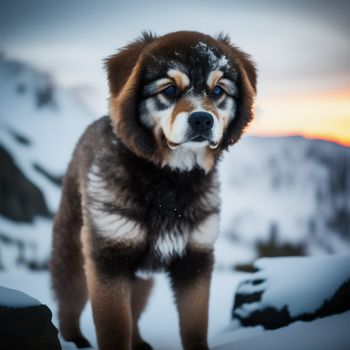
x: 142, y: 346
x: 81, y: 343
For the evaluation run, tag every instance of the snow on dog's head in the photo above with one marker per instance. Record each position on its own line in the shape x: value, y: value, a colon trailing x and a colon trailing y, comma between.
x: 182, y: 98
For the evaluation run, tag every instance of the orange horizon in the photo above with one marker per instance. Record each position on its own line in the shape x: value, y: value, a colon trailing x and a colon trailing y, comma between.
x: 317, y: 115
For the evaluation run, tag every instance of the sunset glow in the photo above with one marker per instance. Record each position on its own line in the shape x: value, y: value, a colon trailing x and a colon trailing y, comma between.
x: 324, y: 115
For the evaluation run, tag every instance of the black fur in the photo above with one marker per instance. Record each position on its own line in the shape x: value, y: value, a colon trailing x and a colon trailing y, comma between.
x: 195, y: 264
x: 160, y: 200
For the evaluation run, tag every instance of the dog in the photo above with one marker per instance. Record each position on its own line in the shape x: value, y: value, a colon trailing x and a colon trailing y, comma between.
x: 141, y: 192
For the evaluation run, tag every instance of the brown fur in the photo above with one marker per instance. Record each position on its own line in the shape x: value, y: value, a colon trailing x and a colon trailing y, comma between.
x: 192, y: 298
x: 182, y: 106
x: 180, y: 80
x: 141, y: 290
x: 111, y: 303
x: 192, y: 304
x: 116, y: 173
x: 215, y: 79
x: 209, y: 106
x: 210, y: 157
x: 66, y: 242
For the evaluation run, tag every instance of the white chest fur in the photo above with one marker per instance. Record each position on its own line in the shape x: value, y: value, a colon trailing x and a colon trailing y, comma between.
x: 109, y: 225
x: 169, y: 245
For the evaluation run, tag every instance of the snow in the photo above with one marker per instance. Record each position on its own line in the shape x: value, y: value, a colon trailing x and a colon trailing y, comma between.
x: 215, y: 61
x: 15, y: 299
x: 35, y: 237
x: 301, y: 283
x: 322, y: 334
x: 230, y: 253
x: 251, y: 183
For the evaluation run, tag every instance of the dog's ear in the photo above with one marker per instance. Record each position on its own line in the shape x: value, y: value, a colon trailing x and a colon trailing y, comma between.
x: 125, y: 71
x: 246, y: 83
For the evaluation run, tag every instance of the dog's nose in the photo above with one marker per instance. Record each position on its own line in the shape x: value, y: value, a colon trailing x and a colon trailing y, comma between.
x: 201, y: 121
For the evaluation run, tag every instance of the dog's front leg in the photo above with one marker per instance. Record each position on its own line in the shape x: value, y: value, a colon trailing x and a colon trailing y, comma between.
x: 190, y: 277
x: 110, y: 300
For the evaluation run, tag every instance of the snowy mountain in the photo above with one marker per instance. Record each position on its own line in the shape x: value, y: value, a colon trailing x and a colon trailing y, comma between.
x: 284, y: 196
x: 281, y: 196
x: 39, y: 126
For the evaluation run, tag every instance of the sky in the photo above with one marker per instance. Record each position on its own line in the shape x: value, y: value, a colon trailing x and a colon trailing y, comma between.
x: 301, y: 49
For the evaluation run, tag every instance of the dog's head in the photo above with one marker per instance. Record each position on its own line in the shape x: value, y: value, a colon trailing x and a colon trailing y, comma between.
x: 182, y: 98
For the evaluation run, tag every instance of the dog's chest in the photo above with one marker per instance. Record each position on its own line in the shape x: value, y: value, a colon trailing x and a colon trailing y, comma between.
x: 169, y: 222
x: 153, y: 210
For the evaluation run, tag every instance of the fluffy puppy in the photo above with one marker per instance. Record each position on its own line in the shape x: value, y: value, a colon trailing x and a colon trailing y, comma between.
x: 141, y: 191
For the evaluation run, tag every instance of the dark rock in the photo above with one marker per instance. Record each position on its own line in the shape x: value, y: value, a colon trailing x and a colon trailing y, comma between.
x: 57, y: 180
x: 27, y: 327
x: 272, y: 247
x: 45, y: 97
x: 20, y: 199
x: 23, y: 140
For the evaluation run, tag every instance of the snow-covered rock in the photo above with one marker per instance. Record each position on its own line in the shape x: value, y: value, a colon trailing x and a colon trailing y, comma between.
x: 322, y: 334
x: 25, y: 323
x: 285, y: 290
x: 14, y: 298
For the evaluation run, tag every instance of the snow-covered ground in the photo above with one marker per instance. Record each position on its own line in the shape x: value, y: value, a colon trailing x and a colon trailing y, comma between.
x: 159, y: 323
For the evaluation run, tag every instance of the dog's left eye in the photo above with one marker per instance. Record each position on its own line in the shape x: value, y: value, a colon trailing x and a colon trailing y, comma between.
x: 170, y: 90
x: 218, y: 90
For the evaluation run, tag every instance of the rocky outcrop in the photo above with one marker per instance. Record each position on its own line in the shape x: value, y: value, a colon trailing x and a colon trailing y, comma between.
x: 25, y: 323
x: 285, y: 290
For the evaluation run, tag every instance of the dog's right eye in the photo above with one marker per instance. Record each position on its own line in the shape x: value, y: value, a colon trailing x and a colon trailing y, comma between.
x: 170, y: 90
x: 218, y: 91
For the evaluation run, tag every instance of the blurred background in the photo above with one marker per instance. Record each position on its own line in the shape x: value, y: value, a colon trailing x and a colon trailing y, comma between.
x: 285, y: 185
